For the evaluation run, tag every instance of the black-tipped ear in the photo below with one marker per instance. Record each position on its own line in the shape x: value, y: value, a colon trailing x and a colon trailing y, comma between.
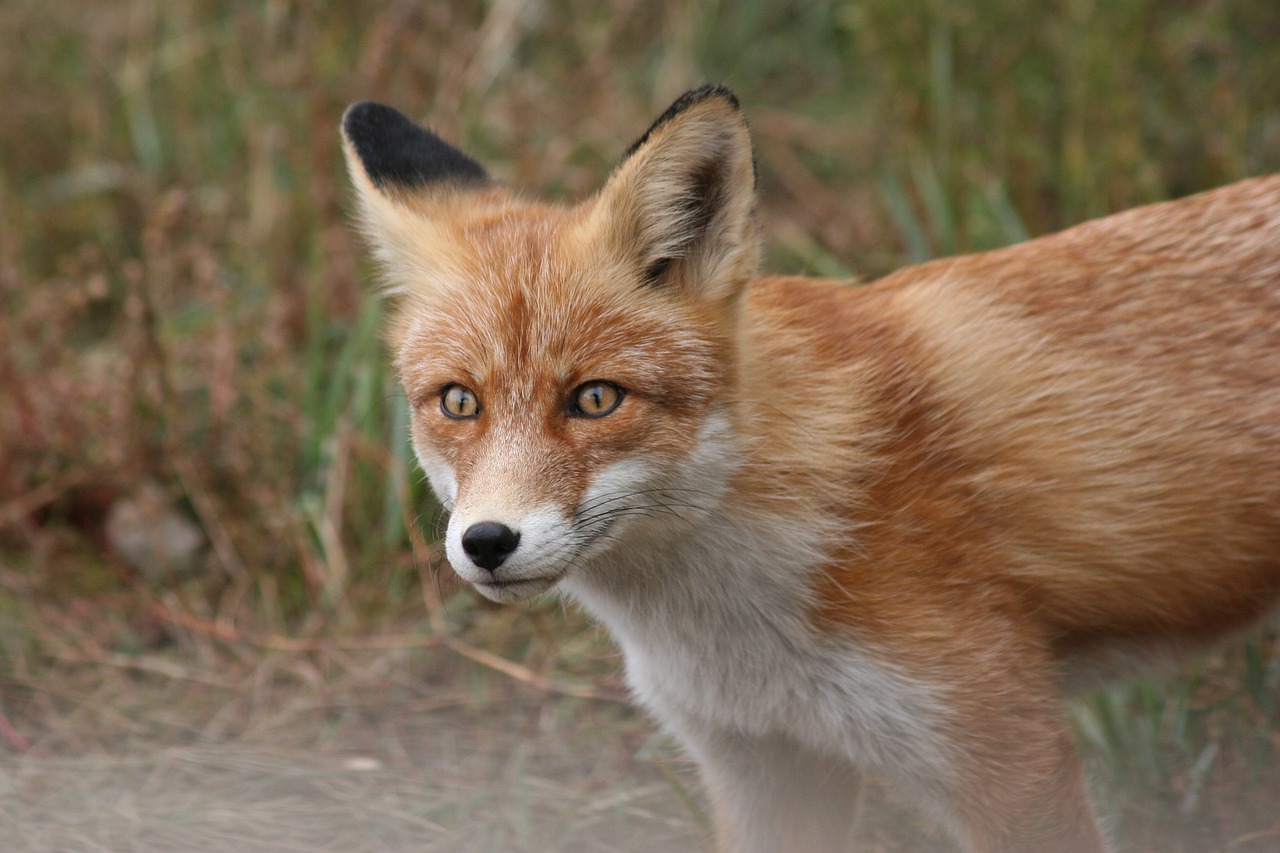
x: 680, y: 206
x: 396, y: 152
x: 689, y: 99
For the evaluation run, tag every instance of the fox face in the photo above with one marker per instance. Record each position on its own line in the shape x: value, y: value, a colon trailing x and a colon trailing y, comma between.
x: 564, y: 366
x: 549, y: 440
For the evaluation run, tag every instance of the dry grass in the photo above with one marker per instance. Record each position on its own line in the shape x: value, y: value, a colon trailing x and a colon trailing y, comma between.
x: 185, y: 328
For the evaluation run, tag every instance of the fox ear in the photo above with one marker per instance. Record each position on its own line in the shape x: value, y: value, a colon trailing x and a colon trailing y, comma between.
x: 680, y: 207
x: 397, y: 157
x: 402, y: 174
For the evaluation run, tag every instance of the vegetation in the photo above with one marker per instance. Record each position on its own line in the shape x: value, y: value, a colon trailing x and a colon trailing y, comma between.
x: 184, y: 311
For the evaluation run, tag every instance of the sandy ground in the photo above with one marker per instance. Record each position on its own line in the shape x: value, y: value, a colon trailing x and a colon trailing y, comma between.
x: 527, y: 776
x: 407, y: 746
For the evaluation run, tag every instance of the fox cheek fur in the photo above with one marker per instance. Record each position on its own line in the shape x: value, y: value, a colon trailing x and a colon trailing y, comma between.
x: 842, y: 529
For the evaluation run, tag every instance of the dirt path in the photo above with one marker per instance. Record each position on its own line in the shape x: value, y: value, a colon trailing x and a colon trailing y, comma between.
x: 522, y: 774
x: 385, y: 743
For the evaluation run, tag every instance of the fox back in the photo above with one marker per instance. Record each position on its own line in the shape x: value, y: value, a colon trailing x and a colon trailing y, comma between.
x: 842, y: 529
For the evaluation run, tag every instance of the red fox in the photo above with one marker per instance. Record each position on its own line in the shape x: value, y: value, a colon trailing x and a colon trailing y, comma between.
x: 834, y: 529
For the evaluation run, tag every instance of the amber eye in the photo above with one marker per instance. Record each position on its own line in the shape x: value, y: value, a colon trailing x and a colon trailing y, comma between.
x: 459, y: 403
x: 595, y: 399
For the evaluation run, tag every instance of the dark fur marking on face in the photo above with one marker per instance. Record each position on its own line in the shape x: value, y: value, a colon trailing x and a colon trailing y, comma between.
x: 396, y: 152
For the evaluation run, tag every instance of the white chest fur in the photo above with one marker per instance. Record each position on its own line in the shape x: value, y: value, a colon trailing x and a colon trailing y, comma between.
x: 714, y: 632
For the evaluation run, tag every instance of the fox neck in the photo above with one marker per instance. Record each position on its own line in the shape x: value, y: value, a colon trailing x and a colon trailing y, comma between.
x: 729, y: 563
x: 751, y: 513
x: 698, y: 553
x: 715, y: 627
x: 679, y: 599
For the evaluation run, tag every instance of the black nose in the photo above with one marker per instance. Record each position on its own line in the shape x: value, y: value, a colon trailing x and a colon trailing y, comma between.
x: 489, y: 543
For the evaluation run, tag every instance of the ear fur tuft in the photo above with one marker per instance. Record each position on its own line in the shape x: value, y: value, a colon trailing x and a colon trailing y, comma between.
x: 397, y: 153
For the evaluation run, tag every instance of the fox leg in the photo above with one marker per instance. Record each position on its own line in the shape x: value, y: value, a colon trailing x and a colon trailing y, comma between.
x: 1041, y: 809
x: 1014, y: 783
x: 770, y: 795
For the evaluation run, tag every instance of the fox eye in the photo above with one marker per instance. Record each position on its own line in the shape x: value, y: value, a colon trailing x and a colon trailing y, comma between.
x: 459, y: 403
x: 595, y: 399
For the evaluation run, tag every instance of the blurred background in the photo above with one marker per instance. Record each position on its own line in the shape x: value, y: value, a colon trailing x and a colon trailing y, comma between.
x: 224, y: 623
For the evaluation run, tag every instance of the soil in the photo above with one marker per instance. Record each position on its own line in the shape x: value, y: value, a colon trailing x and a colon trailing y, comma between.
x: 391, y: 744
x: 137, y: 764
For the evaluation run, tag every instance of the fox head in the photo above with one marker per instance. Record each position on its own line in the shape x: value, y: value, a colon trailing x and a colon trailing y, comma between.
x: 568, y: 368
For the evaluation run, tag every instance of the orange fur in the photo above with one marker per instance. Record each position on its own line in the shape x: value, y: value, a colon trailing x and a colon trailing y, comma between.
x: 888, y: 527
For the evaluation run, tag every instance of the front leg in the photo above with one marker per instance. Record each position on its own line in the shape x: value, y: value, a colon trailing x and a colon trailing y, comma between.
x: 1009, y: 779
x: 770, y: 795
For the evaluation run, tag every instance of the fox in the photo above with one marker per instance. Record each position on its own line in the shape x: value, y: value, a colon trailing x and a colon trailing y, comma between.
x: 840, y: 531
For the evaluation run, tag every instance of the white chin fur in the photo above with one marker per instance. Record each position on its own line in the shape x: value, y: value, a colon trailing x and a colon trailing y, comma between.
x: 508, y: 593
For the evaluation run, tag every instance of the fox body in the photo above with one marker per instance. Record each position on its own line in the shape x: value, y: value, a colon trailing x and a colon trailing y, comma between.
x: 842, y: 529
